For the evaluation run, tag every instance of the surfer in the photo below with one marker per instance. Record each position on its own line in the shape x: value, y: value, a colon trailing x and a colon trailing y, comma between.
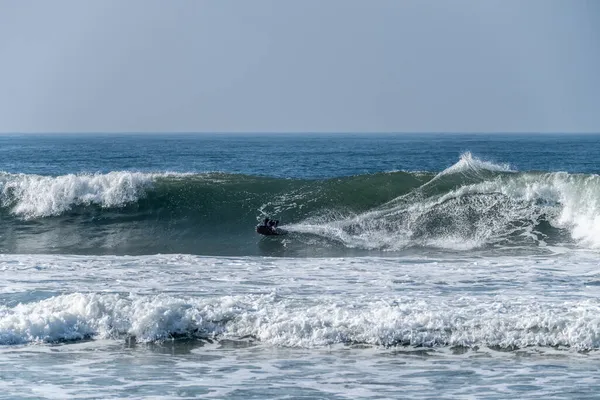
x: 270, y: 223
x: 269, y: 227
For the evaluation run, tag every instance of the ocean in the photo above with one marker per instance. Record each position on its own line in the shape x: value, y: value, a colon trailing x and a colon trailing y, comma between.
x: 414, y: 266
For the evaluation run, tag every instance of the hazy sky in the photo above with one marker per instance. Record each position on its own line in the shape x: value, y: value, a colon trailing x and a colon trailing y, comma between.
x: 304, y: 65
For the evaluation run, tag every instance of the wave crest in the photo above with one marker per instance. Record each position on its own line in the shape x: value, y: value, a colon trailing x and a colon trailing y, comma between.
x: 34, y: 196
x: 469, y: 163
x: 466, y: 321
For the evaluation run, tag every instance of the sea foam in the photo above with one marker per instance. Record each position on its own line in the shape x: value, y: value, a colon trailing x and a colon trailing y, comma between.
x: 462, y: 321
x: 474, y: 204
x: 33, y: 196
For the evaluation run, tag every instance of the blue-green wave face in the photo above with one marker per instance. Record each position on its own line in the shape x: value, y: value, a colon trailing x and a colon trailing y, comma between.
x: 471, y: 206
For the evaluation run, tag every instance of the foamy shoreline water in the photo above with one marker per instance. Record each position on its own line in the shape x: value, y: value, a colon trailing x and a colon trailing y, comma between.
x: 508, y: 302
x: 171, y: 326
x: 172, y: 370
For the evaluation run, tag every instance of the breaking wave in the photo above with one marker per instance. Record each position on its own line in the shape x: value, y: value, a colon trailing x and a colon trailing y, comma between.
x: 473, y: 204
x: 465, y: 321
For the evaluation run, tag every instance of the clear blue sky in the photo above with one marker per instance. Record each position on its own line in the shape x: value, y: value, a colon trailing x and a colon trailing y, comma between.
x: 310, y: 65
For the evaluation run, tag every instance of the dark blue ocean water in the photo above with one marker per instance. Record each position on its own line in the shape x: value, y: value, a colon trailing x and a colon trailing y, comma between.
x: 292, y: 155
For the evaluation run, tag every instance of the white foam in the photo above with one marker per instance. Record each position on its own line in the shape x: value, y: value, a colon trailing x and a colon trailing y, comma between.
x: 33, y: 196
x: 486, y: 211
x: 463, y: 321
x: 468, y: 223
x: 505, y: 302
x: 569, y: 201
x: 469, y: 163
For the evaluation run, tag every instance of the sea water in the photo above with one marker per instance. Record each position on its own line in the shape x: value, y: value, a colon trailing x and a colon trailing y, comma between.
x: 415, y: 266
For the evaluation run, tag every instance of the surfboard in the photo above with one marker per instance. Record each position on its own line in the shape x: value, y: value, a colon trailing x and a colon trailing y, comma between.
x: 269, y: 231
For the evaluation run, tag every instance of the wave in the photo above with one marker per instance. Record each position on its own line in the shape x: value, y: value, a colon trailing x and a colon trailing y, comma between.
x: 35, y: 196
x: 473, y: 204
x: 270, y: 319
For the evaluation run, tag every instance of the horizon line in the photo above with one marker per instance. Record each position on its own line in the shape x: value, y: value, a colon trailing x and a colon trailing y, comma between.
x: 297, y: 132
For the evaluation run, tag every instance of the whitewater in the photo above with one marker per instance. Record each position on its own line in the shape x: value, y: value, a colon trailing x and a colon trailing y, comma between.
x: 472, y: 204
x: 457, y: 266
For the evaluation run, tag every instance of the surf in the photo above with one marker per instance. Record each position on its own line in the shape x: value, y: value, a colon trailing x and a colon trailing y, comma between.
x: 472, y: 205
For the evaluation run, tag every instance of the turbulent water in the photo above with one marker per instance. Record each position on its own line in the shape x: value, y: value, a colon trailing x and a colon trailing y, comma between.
x: 470, y: 205
x: 123, y: 279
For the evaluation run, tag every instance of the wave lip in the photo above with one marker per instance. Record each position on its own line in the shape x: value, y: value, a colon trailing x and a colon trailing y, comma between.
x: 37, y: 196
x: 466, y: 321
x: 469, y: 163
x: 34, y: 196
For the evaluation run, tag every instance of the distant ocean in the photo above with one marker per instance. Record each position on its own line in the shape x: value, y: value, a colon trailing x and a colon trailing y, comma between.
x: 415, y: 266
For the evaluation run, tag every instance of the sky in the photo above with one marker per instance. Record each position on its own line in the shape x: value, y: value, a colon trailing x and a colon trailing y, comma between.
x: 300, y: 66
